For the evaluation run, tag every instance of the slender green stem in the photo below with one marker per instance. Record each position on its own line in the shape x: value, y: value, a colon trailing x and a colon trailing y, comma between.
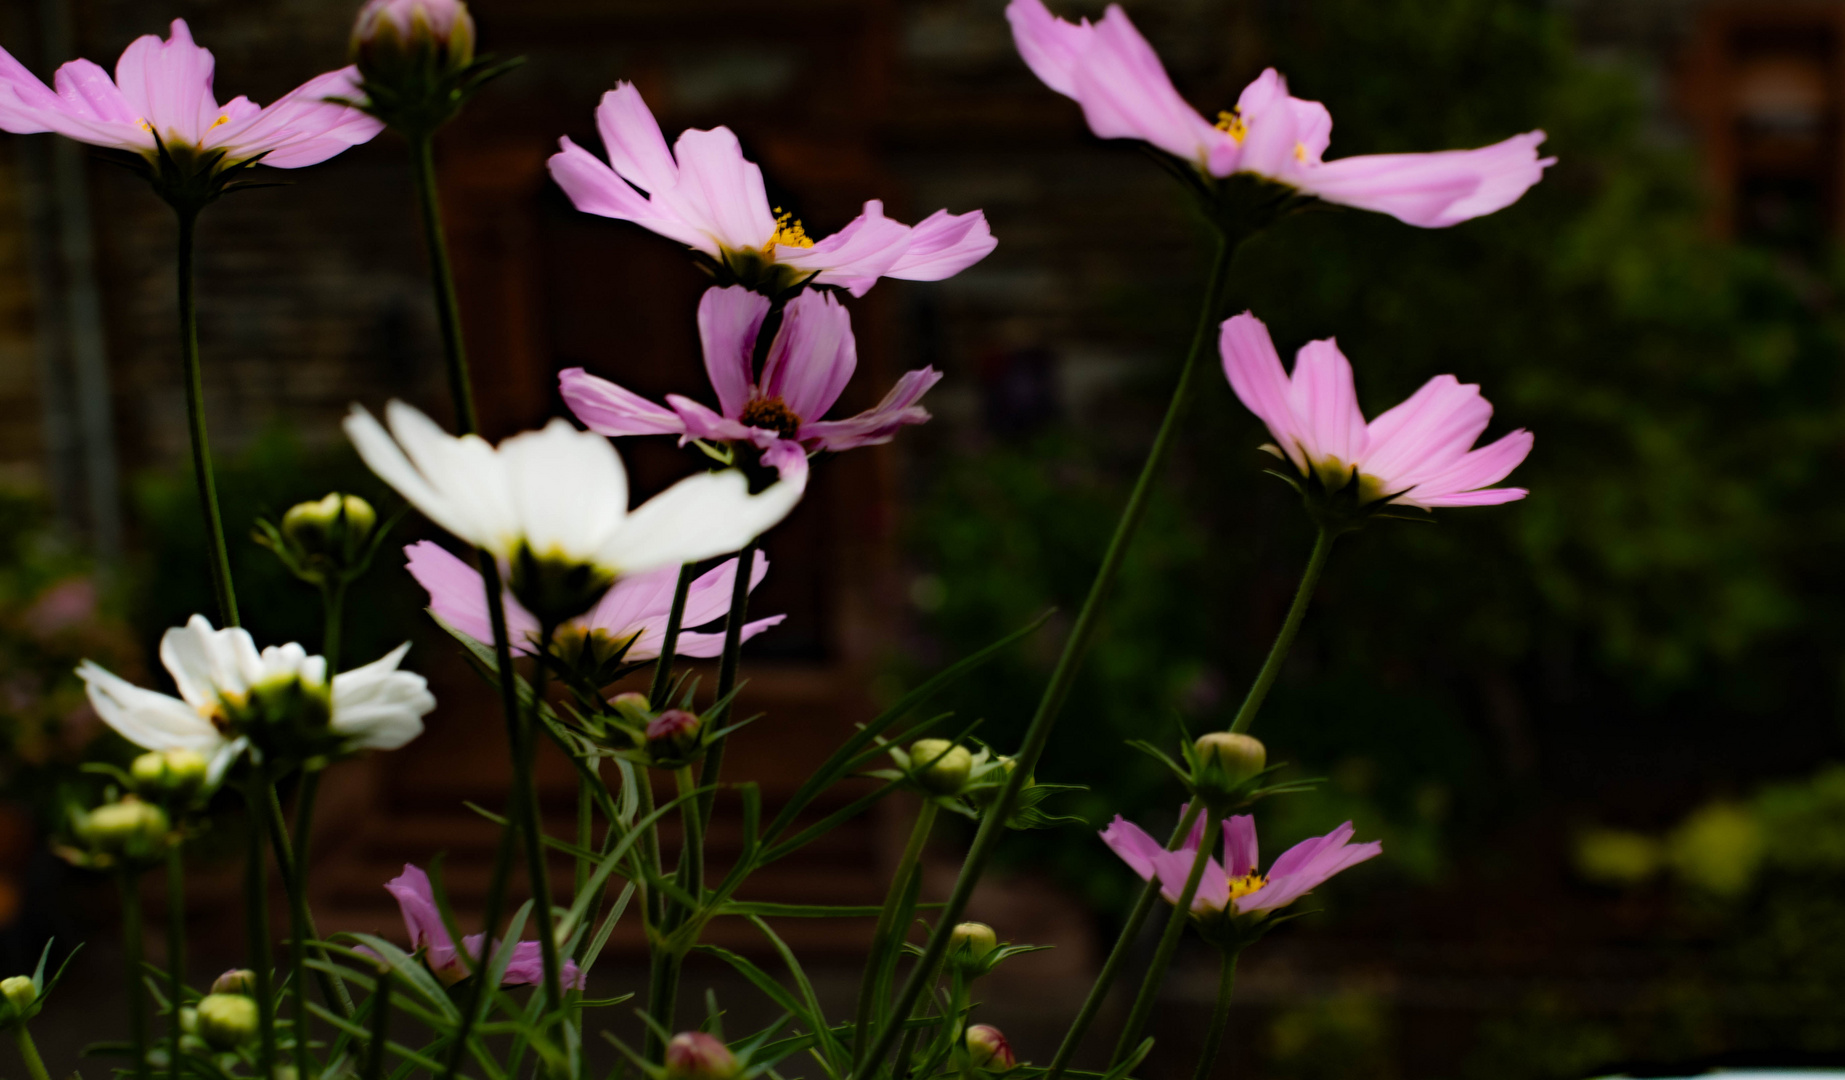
x: 334, y: 602
x: 1063, y: 676
x: 906, y: 1050
x: 221, y: 585
x: 1117, y: 956
x: 692, y: 851
x: 1169, y: 944
x: 536, y: 867
x: 300, y: 924
x: 1220, y: 1016
x: 257, y: 797
x: 381, y: 1018
x: 727, y: 673
x: 133, y: 960
x: 1297, y: 611
x: 442, y: 278
x: 586, y: 830
x: 893, y: 923
x: 35, y: 1065
x: 176, y: 954
x: 662, y: 998
x: 663, y: 671
x: 332, y: 987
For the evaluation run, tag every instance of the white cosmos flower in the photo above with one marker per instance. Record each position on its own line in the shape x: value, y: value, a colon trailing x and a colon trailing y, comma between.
x: 563, y: 494
x: 376, y: 707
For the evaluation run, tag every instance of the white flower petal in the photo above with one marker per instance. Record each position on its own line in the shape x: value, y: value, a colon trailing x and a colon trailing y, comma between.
x: 150, y: 720
x: 379, y: 707
x: 569, y: 489
x: 698, y: 518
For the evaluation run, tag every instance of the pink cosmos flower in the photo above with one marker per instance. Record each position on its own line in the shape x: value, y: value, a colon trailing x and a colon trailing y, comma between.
x: 164, y: 88
x: 1417, y: 454
x: 417, y: 900
x: 1111, y: 71
x: 637, y: 606
x: 1233, y: 886
x: 809, y: 363
x: 705, y: 194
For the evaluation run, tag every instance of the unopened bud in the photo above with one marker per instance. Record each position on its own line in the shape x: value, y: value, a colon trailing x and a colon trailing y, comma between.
x: 972, y: 941
x: 330, y: 536
x: 390, y: 35
x: 939, y: 765
x: 1239, y: 756
x: 694, y: 1055
x: 987, y: 1048
x: 227, y: 1021
x: 673, y: 734
x: 169, y: 772
x: 635, y: 707
x: 127, y: 827
x: 235, y: 981
x: 19, y: 992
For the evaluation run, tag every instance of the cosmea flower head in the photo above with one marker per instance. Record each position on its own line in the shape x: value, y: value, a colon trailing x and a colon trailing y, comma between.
x: 633, y: 612
x: 1111, y: 71
x: 1416, y: 454
x: 552, y: 505
x: 1233, y: 887
x: 160, y: 106
x: 230, y: 695
x: 423, y: 919
x: 809, y: 363
x: 705, y: 194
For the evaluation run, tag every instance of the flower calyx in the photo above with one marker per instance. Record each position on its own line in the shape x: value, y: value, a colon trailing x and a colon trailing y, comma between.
x: 287, y: 717
x: 174, y: 779
x: 1226, y: 770
x: 23, y: 996
x: 325, y: 542
x: 1340, y: 499
x: 1026, y: 813
x: 974, y: 950
x: 671, y: 738
x: 556, y: 589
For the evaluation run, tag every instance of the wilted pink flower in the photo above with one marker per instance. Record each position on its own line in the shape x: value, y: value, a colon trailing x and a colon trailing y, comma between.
x: 809, y: 363
x: 164, y: 88
x: 1417, y: 454
x: 636, y: 606
x: 1233, y: 886
x: 417, y: 900
x: 1111, y: 71
x: 705, y: 194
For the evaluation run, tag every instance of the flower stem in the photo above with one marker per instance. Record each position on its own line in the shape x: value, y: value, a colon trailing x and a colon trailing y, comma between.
x: 222, y: 588
x: 132, y: 960
x: 35, y: 1065
x: 1169, y: 944
x: 300, y: 925
x: 893, y: 921
x: 1124, y: 945
x: 662, y: 999
x: 692, y: 853
x: 727, y: 673
x: 1220, y: 1016
x: 663, y: 671
x: 536, y: 867
x: 442, y: 278
x: 176, y: 954
x: 1297, y: 611
x: 333, y: 599
x: 381, y: 1016
x: 1063, y: 676
x: 256, y: 917
x: 332, y: 987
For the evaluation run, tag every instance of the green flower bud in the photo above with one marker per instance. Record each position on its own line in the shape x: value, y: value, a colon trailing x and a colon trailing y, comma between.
x: 970, y: 943
x: 19, y: 992
x: 129, y: 828
x: 169, y: 773
x: 235, y: 981
x: 325, y: 541
x: 694, y: 1055
x: 673, y: 734
x: 1238, y: 756
x: 395, y: 38
x: 988, y: 1049
x: 939, y: 765
x: 227, y: 1021
x: 189, y: 1021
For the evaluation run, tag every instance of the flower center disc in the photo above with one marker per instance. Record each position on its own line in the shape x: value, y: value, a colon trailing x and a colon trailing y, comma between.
x: 771, y: 414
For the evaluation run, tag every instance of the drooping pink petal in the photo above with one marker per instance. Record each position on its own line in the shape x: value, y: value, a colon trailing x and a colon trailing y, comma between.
x: 303, y: 127
x: 594, y: 188
x: 701, y: 423
x: 416, y: 898
x: 642, y: 604
x: 1284, y: 889
x: 1260, y: 382
x: 1126, y: 94
x: 879, y: 423
x: 789, y: 460
x: 1466, y: 483
x: 527, y: 968
x: 944, y: 244
x: 729, y: 320
x: 709, y: 597
x: 813, y: 356
x: 704, y: 646
x: 854, y: 257
x: 1296, y: 858
x: 459, y: 597
x: 1426, y: 434
x: 1240, y: 845
x: 719, y: 191
x: 1131, y: 842
x: 1325, y: 401
x: 636, y: 148
x: 1051, y: 47
x: 608, y: 409
x: 1432, y: 190
x: 1174, y: 869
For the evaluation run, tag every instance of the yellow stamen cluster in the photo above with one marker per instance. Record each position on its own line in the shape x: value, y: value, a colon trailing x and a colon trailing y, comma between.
x: 1230, y: 122
x: 145, y: 126
x: 225, y: 119
x: 1243, y: 886
x: 788, y: 231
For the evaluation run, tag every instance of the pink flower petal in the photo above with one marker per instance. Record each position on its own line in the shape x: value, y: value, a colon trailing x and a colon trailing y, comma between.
x: 1126, y: 94
x: 608, y: 409
x: 594, y: 188
x: 719, y: 191
x: 702, y: 423
x: 878, y: 424
x: 1459, y: 485
x: 813, y: 355
x: 1431, y: 190
x: 728, y: 322
x: 942, y: 245
x: 416, y: 899
x: 1260, y: 382
x: 631, y: 136
x: 1325, y: 403
x: 459, y: 596
x: 302, y: 127
x: 1240, y: 845
x: 168, y: 84
x: 1051, y: 47
x: 704, y: 646
x: 855, y: 256
x: 1131, y: 842
x: 1426, y: 434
